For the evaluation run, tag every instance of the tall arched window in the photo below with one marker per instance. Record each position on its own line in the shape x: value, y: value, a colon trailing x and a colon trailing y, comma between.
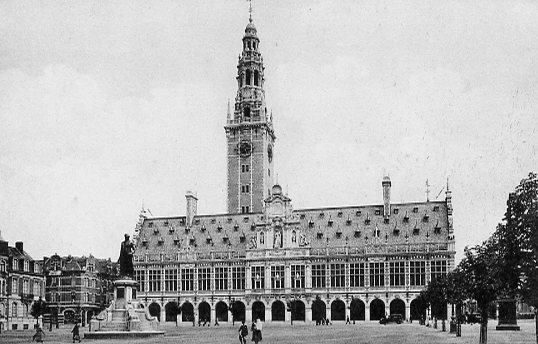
x: 256, y: 77
x: 246, y: 112
x: 262, y: 238
x: 247, y: 77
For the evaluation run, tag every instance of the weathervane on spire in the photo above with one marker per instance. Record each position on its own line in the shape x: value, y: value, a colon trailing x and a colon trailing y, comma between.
x: 427, y: 191
x: 250, y: 10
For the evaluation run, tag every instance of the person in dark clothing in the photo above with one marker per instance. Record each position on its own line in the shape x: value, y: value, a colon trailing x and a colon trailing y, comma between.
x: 243, y: 333
x: 39, y: 335
x: 76, y: 333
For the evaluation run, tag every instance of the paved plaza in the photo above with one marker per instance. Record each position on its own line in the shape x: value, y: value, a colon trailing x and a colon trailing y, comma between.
x: 301, y: 333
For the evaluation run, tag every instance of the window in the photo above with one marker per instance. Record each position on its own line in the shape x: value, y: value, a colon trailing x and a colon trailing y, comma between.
x: 14, y: 286
x: 2, y: 266
x: 356, y: 274
x: 238, y: 277
x: 438, y: 268
x: 14, y: 308
x: 187, y: 279
x: 37, y: 288
x: 395, y: 211
x: 377, y: 274
x: 436, y: 208
x: 204, y: 278
x: 154, y: 280
x: 26, y: 265
x: 258, y: 277
x: 256, y: 76
x: 297, y: 276
x: 338, y: 275
x: 221, y: 278
x: 417, y: 272
x: 165, y: 224
x: 245, y: 168
x: 397, y: 273
x: 140, y: 276
x: 25, y: 287
x: 150, y: 225
x: 245, y: 209
x: 247, y: 77
x: 318, y: 276
x: 170, y: 279
x: 15, y: 265
x: 277, y: 277
x: 415, y: 210
x: 378, y: 212
x: 245, y: 188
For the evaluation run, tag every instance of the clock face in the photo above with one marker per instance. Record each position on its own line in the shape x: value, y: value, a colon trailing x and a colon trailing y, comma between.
x: 245, y: 148
x: 247, y: 93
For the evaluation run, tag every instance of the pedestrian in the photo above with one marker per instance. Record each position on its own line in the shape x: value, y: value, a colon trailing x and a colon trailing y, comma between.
x: 243, y: 333
x: 216, y: 322
x: 76, y: 333
x: 347, y: 320
x: 257, y: 331
x: 38, y: 335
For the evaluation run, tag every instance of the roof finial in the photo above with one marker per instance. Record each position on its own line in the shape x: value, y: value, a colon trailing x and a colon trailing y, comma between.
x: 228, y: 114
x: 250, y: 10
x: 427, y: 191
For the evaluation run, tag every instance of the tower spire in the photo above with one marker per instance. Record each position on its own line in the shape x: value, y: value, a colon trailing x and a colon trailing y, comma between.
x: 250, y: 10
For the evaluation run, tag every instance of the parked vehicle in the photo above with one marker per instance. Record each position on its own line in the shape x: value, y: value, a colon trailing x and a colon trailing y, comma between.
x: 395, y: 318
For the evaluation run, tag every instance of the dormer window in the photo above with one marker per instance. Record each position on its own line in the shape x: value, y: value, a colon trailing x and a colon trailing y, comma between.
x: 171, y: 229
x: 321, y: 215
x: 395, y: 211
x: 182, y: 222
x: 242, y: 237
x: 187, y: 229
x: 311, y: 223
x: 367, y: 220
x: 219, y: 227
x: 208, y: 239
x: 348, y: 221
x: 150, y: 225
x: 378, y: 212
x: 320, y: 234
x: 386, y: 220
x: 225, y: 238
x: 338, y: 232
x: 15, y: 264
x: 396, y: 232
x: 302, y: 216
x: 192, y: 239
x: 245, y: 219
x: 144, y: 242
x: 229, y: 220
x: 357, y: 233
x: 415, y: 210
x: 156, y: 230
x: 416, y: 230
x: 406, y: 217
x: 26, y: 265
x: 330, y: 222
x: 161, y: 241
x: 358, y: 213
x: 197, y: 221
x: 213, y: 221
x: 436, y: 208
x: 203, y: 227
x: 340, y: 214
x: 252, y: 226
x: 236, y: 227
x: 165, y: 224
x: 426, y: 217
x: 176, y: 240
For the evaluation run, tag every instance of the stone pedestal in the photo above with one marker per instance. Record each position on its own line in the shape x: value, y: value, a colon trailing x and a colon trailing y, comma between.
x: 125, y: 317
x: 507, y: 315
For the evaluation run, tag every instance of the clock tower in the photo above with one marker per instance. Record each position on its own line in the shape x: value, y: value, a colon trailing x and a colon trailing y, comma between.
x: 249, y: 133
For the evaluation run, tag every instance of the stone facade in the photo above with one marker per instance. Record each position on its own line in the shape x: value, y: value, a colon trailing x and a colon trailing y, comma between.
x: 21, y: 283
x: 276, y: 263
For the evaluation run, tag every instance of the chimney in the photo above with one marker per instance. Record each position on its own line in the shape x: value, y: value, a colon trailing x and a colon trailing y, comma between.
x: 192, y: 202
x: 386, y: 195
x: 19, y: 247
x: 4, y: 249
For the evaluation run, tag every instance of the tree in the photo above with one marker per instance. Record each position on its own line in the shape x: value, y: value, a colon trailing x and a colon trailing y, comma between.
x: 518, y: 238
x: 480, y: 267
x: 38, y: 309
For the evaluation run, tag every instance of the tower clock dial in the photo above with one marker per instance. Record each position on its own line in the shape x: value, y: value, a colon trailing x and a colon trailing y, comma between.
x: 245, y: 148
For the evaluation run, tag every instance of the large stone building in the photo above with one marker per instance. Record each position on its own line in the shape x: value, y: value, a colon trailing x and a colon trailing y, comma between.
x: 21, y: 283
x: 78, y: 288
x: 266, y: 260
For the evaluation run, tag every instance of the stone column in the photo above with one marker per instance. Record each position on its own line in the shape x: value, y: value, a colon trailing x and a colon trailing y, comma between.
x: 408, y: 311
x: 366, y: 311
x: 308, y: 313
x: 348, y: 313
x: 268, y: 313
x: 248, y: 314
x: 248, y: 277
x: 163, y: 313
x: 308, y: 277
x: 328, y: 311
x: 213, y: 314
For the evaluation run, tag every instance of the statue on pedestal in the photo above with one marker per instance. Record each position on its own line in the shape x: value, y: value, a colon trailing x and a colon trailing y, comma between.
x: 126, y: 257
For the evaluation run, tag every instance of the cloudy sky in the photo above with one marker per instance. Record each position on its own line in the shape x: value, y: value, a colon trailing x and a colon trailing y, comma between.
x: 108, y: 105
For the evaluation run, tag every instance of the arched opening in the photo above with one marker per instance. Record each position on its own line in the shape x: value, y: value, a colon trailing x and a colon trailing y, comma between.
x: 356, y: 310
x: 204, y: 312
x: 397, y: 306
x: 338, y: 310
x: 221, y: 311
x: 298, y: 310
x: 238, y: 311
x: 155, y: 310
x: 258, y: 311
x: 256, y: 77
x: 278, y: 311
x: 89, y: 315
x: 69, y: 317
x: 319, y: 310
x: 187, y: 312
x: 417, y: 310
x: 171, y: 311
x: 377, y: 309
x: 247, y: 77
x: 246, y: 112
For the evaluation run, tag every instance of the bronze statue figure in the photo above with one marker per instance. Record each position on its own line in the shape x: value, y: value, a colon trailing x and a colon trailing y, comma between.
x: 126, y: 257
